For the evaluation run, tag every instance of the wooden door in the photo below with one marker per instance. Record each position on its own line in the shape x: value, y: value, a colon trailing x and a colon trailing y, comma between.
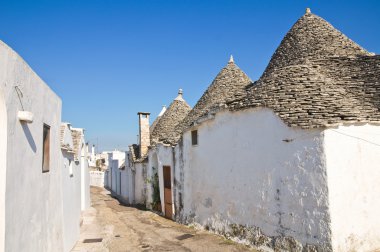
x: 168, y: 193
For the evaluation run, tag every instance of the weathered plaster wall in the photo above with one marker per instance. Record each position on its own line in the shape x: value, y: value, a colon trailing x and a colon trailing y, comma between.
x: 33, y: 214
x: 159, y: 156
x: 353, y: 171
x: 71, y: 190
x: 3, y: 165
x: 115, y: 178
x: 179, y: 182
x: 152, y: 169
x: 124, y: 185
x: 249, y: 168
x: 85, y: 179
x: 140, y: 183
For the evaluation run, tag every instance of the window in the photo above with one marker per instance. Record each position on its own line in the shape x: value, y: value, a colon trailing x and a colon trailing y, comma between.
x: 194, y: 137
x: 71, y: 168
x: 46, y: 149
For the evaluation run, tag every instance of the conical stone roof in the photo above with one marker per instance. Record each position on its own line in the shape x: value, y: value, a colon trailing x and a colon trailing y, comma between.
x: 151, y: 128
x: 312, y: 37
x: 318, y: 78
x: 230, y: 82
x: 175, y: 113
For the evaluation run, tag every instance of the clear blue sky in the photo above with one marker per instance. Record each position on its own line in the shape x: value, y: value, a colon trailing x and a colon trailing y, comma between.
x: 108, y: 60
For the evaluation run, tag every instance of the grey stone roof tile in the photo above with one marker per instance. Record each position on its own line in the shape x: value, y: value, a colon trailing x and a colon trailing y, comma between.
x: 317, y: 78
x: 230, y: 82
x: 175, y: 113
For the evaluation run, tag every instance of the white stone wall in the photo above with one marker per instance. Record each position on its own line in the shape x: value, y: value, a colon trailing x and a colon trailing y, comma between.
x: 85, y: 174
x: 159, y: 156
x: 3, y: 164
x: 140, y: 183
x: 115, y: 176
x: 32, y: 212
x: 124, y: 180
x: 97, y: 178
x: 353, y: 171
x: 71, y: 191
x: 249, y: 168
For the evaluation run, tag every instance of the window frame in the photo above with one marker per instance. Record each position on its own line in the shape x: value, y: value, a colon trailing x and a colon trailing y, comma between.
x: 45, y: 148
x: 194, y: 137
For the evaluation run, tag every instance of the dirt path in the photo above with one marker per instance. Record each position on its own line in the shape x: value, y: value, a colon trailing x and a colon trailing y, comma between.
x: 124, y: 228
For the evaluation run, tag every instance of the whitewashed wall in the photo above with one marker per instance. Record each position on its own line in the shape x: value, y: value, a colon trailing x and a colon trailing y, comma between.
x: 32, y: 212
x: 115, y: 176
x: 71, y: 191
x: 106, y: 179
x: 97, y: 178
x: 249, y: 168
x: 140, y: 183
x: 3, y: 164
x: 124, y: 180
x: 353, y: 170
x: 85, y: 183
x: 159, y: 156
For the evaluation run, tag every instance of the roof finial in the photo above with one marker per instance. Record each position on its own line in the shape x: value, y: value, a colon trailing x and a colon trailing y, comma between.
x: 231, y: 59
x: 179, y: 97
x: 308, y: 10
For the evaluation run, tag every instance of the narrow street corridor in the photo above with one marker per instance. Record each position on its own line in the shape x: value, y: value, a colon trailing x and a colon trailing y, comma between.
x: 110, y: 226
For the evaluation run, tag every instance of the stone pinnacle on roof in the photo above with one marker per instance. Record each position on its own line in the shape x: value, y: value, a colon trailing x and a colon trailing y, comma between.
x: 308, y: 11
x: 231, y: 59
x: 180, y: 95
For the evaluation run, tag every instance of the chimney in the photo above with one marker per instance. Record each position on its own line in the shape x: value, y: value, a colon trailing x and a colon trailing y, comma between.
x: 144, y: 133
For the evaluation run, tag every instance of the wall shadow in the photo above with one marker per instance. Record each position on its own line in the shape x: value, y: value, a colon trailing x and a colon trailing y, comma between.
x: 29, y: 136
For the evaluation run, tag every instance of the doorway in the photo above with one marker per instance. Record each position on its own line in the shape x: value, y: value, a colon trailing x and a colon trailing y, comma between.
x: 168, y: 193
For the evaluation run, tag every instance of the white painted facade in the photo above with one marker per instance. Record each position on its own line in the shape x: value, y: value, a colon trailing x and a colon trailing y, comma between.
x: 85, y: 172
x: 139, y: 181
x: 159, y: 156
x: 71, y: 189
x: 39, y: 211
x: 30, y: 200
x: 249, y: 168
x: 133, y: 182
x: 116, y: 161
x: 353, y: 172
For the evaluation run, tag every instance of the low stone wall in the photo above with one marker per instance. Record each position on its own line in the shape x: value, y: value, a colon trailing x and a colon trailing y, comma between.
x: 97, y: 178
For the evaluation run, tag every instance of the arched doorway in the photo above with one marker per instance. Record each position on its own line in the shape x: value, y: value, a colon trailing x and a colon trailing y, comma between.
x: 3, y: 167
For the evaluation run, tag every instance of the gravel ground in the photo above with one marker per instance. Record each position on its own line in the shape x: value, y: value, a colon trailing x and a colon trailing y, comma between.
x: 123, y: 228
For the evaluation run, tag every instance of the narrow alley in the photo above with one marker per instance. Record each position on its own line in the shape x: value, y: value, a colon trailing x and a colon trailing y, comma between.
x: 110, y: 226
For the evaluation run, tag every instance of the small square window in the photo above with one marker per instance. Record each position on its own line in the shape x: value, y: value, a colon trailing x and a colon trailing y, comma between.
x: 46, y: 149
x: 194, y: 137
